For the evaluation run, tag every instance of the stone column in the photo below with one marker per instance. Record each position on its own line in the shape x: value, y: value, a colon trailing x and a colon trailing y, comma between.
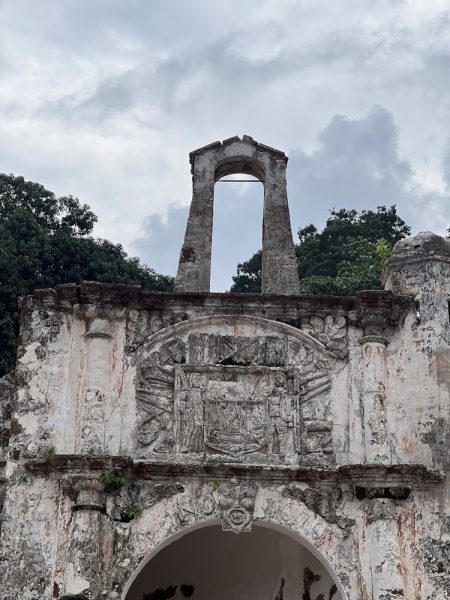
x: 375, y: 423
x: 384, y: 548
x: 279, y: 273
x: 194, y: 267
x: 96, y: 387
x: 84, y: 554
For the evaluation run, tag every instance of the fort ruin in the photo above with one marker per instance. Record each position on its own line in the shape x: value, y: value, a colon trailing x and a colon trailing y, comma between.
x: 141, y: 430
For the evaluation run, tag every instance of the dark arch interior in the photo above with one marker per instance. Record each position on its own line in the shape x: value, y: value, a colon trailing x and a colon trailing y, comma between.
x: 240, y: 164
x: 209, y: 564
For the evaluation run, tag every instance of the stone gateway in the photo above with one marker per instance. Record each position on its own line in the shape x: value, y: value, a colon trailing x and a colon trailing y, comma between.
x: 141, y: 430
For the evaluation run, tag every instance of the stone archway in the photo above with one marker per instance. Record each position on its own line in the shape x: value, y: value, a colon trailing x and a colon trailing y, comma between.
x: 204, y: 563
x: 209, y: 164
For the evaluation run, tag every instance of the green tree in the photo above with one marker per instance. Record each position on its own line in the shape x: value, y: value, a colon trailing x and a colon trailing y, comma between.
x: 45, y: 241
x: 248, y: 276
x: 346, y: 256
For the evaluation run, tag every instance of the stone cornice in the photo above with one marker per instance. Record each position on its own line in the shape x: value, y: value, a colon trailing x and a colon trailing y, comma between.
x: 67, y: 296
x: 362, y: 475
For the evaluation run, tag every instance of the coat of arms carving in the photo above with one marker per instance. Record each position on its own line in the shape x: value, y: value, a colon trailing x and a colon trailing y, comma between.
x: 250, y: 396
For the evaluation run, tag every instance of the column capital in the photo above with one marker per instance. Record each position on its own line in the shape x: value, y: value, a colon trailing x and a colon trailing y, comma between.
x: 381, y: 509
x: 87, y: 491
x: 98, y: 328
x: 373, y: 338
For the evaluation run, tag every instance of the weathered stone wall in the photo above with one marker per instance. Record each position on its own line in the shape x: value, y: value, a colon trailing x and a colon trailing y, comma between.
x: 137, y: 416
x: 7, y: 396
x: 110, y: 376
x: 383, y: 544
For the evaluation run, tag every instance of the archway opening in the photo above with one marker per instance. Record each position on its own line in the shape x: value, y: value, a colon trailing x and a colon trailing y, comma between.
x: 208, y: 564
x: 237, y: 227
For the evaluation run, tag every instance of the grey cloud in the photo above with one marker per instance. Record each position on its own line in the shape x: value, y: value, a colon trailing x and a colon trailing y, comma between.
x: 227, y: 76
x: 176, y: 85
x: 357, y: 165
x: 105, y: 99
x: 236, y: 235
x: 161, y: 243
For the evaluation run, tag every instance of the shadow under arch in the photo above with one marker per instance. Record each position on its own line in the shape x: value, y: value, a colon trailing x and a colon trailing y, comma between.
x: 282, y: 530
x: 241, y: 164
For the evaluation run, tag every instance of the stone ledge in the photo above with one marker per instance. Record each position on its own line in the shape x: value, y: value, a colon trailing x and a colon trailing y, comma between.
x: 65, y: 297
x: 361, y: 475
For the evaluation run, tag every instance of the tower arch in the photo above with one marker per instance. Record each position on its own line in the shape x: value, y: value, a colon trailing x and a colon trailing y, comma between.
x: 240, y: 164
x: 268, y: 165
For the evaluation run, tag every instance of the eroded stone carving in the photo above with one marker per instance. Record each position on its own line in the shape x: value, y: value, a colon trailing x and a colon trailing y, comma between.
x: 92, y: 435
x: 155, y: 395
x: 237, y: 502
x: 86, y: 491
x: 331, y: 331
x: 262, y: 395
x: 281, y: 413
x: 189, y: 390
x: 155, y: 492
x: 322, y: 501
x: 143, y: 323
x: 235, y: 412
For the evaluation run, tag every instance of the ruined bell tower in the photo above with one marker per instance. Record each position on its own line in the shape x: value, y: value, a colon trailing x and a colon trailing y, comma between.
x: 216, y: 446
x: 208, y: 165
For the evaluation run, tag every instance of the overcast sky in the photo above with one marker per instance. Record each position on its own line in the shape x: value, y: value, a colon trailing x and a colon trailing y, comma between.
x: 104, y: 99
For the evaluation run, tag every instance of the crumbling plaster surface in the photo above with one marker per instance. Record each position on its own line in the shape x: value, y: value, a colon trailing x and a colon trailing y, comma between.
x: 60, y: 547
x: 61, y: 371
x: 344, y: 441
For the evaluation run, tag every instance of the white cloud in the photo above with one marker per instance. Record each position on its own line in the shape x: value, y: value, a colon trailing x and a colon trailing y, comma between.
x: 104, y: 99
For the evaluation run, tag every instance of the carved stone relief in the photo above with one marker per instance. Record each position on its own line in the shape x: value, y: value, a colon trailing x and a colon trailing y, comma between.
x: 237, y: 502
x: 155, y: 393
x: 260, y: 395
x: 231, y: 501
x: 331, y: 331
x: 144, y: 323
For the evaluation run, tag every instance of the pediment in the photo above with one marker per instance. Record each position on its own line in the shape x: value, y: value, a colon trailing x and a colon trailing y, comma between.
x: 247, y: 334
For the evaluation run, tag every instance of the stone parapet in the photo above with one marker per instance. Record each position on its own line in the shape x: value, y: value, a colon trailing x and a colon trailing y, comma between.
x: 69, y: 297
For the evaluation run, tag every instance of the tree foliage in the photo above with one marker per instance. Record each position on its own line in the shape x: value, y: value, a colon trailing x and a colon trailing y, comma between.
x: 346, y: 256
x: 248, y: 276
x: 45, y: 241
